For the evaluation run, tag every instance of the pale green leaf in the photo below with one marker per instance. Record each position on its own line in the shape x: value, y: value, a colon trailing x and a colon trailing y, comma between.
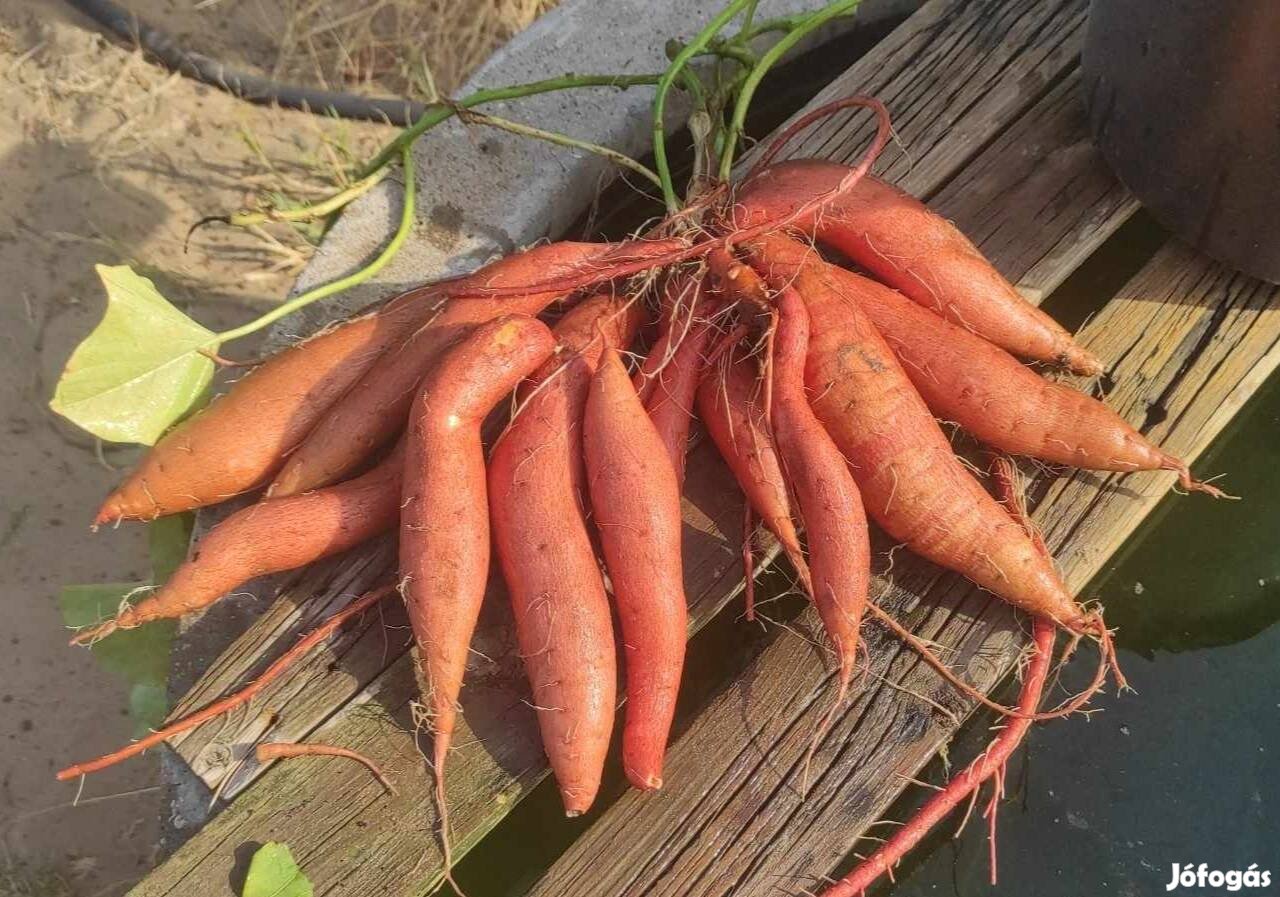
x: 168, y: 539
x: 140, y: 657
x: 138, y: 372
x: 273, y: 873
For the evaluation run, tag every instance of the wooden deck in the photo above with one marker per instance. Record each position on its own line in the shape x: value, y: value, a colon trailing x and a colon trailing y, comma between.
x: 986, y: 101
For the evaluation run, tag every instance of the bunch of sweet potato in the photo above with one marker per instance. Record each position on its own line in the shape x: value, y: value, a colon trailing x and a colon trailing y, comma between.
x: 820, y: 383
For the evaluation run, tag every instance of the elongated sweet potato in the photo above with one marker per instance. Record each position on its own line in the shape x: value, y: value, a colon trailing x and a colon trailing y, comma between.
x: 905, y: 245
x: 1005, y: 404
x: 444, y: 516
x: 635, y: 504
x: 731, y: 407
x: 375, y: 408
x: 536, y: 501
x: 835, y: 524
x: 674, y: 383
x: 273, y: 535
x: 911, y: 482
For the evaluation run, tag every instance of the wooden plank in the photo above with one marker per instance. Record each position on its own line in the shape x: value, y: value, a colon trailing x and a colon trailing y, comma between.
x: 1185, y: 336
x: 355, y: 840
x: 350, y: 659
x: 950, y: 76
x: 1043, y: 174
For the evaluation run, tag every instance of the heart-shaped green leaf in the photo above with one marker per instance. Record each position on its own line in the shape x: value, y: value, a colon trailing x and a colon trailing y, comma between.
x: 138, y: 656
x: 139, y: 371
x: 273, y: 873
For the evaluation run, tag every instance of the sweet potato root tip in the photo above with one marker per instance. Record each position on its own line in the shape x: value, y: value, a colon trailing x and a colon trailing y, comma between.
x: 218, y: 708
x: 563, y: 622
x: 113, y: 510
x: 635, y: 503
x: 1190, y: 483
x: 268, y: 751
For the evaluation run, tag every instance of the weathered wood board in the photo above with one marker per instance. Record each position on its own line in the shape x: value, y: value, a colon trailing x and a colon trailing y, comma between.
x: 985, y: 103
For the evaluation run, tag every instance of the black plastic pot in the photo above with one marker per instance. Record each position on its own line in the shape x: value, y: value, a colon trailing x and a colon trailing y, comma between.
x: 1184, y: 102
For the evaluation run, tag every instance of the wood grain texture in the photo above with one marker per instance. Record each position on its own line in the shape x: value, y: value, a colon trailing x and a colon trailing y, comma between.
x: 353, y: 840
x: 952, y: 76
x: 1185, y: 336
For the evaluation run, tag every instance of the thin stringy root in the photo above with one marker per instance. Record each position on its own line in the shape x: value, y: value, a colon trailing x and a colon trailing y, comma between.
x: 95, y: 633
x: 1092, y: 627
x: 281, y: 750
x: 808, y: 120
x: 991, y: 763
x: 964, y: 786
x: 1190, y: 483
x: 124, y: 619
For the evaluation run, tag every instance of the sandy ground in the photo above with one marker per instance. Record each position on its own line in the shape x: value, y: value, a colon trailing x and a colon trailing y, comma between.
x: 106, y: 159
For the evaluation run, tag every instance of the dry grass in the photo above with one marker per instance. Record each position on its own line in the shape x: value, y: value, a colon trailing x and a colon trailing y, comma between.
x: 133, y: 120
x: 400, y: 47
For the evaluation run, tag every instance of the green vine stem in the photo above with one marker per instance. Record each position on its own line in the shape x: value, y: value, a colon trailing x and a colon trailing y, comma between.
x: 690, y: 50
x: 504, y: 124
x: 441, y: 112
x: 310, y: 212
x: 767, y: 60
x: 342, y: 283
x: 436, y: 114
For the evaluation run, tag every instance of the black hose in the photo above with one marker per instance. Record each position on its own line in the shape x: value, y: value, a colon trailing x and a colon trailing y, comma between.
x: 252, y: 88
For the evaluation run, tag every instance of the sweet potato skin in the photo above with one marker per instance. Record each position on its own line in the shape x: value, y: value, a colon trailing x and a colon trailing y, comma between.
x: 908, y: 247
x: 444, y: 518
x: 537, y: 505
x: 912, y: 484
x: 991, y: 395
x: 671, y: 389
x: 635, y: 504
x: 374, y: 409
x: 826, y: 496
